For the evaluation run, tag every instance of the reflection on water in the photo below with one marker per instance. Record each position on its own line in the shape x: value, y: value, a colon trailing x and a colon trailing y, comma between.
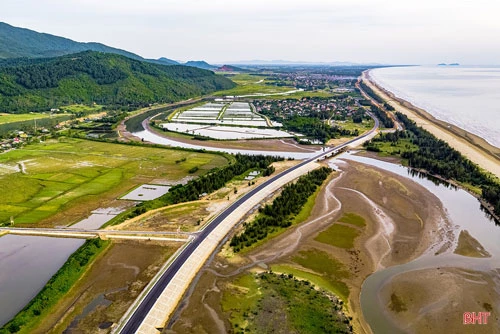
x: 465, y: 213
x: 154, y: 138
x: 26, y: 264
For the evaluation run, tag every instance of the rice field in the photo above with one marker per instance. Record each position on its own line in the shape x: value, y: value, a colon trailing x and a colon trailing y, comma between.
x: 231, y: 121
x: 60, y: 181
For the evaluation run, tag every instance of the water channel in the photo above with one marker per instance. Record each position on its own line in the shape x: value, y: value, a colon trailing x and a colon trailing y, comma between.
x: 463, y: 211
x: 156, y: 139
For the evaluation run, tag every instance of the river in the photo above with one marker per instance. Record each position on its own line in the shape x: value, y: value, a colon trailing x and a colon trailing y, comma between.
x: 156, y: 139
x: 464, y: 212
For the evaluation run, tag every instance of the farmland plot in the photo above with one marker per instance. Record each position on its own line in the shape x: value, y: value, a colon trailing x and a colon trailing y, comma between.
x: 224, y: 121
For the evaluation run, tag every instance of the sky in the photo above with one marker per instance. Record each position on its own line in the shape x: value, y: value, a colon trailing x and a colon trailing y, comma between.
x: 224, y: 31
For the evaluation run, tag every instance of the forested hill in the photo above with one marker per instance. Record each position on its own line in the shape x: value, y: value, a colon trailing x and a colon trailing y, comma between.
x: 20, y: 42
x: 103, y: 78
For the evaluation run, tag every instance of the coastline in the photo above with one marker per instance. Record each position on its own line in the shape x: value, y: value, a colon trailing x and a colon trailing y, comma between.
x: 470, y: 145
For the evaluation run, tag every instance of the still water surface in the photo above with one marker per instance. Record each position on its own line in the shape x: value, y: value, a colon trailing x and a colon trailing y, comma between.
x: 468, y: 97
x: 464, y: 212
x: 26, y: 264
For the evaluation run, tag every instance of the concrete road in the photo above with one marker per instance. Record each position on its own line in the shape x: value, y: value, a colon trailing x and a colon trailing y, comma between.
x: 154, y: 308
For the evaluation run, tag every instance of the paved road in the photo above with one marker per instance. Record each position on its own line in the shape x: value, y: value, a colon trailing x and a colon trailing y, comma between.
x: 142, y: 310
x: 397, y: 124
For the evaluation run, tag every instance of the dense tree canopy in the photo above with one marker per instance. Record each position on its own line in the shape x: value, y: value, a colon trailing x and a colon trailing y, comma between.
x: 437, y: 157
x: 93, y: 77
x: 280, y: 213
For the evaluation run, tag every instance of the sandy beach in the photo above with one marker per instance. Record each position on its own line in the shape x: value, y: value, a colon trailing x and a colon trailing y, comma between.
x: 473, y: 147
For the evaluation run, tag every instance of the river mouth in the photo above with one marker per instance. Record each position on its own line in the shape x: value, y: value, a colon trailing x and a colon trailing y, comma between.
x: 421, y: 295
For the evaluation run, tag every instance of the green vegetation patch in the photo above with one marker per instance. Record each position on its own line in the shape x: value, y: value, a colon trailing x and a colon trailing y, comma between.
x: 353, y: 219
x: 337, y: 288
x: 250, y: 84
x: 62, y: 281
x: 329, y: 268
x: 240, y: 298
x: 216, y: 179
x: 60, y: 174
x: 390, y: 144
x: 282, y: 303
x: 397, y: 304
x: 26, y: 122
x: 307, y: 208
x: 12, y: 118
x: 365, y: 125
x: 339, y: 236
x: 83, y: 109
x: 282, y: 212
x: 436, y: 157
x: 106, y: 79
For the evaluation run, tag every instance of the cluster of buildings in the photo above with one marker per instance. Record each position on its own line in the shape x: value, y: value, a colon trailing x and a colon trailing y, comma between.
x: 315, y: 81
x: 321, y: 107
x: 17, y: 139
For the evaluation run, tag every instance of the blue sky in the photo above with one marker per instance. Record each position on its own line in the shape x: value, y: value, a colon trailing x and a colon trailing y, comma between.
x: 383, y: 31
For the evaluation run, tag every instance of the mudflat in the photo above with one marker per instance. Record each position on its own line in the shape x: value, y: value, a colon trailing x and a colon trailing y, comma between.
x: 434, y: 300
x: 390, y: 219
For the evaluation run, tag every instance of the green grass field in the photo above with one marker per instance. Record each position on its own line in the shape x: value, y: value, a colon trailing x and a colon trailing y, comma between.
x: 12, y: 118
x: 353, y: 219
x: 327, y: 267
x: 250, y: 84
x: 316, y: 279
x: 342, y: 236
x: 361, y: 127
x: 77, y: 174
x: 389, y: 149
x: 242, y: 296
x: 339, y: 236
x: 270, y: 303
x: 82, y: 108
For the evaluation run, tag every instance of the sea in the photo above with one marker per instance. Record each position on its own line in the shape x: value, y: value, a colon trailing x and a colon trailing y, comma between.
x: 465, y: 96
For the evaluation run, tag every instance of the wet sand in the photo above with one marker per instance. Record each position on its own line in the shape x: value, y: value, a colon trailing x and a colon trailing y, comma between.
x: 385, y: 201
x: 404, y: 215
x: 473, y: 147
x: 434, y: 300
x: 116, y: 278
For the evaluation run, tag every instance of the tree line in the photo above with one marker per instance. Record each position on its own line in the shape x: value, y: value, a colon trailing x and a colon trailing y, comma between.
x: 281, y: 212
x: 386, y: 121
x: 370, y: 92
x: 208, y: 183
x: 315, y: 128
x: 436, y: 157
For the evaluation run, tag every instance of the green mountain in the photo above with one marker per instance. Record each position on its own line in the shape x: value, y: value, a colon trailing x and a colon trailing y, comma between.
x: 19, y: 42
x: 200, y: 64
x: 166, y: 61
x: 107, y: 79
